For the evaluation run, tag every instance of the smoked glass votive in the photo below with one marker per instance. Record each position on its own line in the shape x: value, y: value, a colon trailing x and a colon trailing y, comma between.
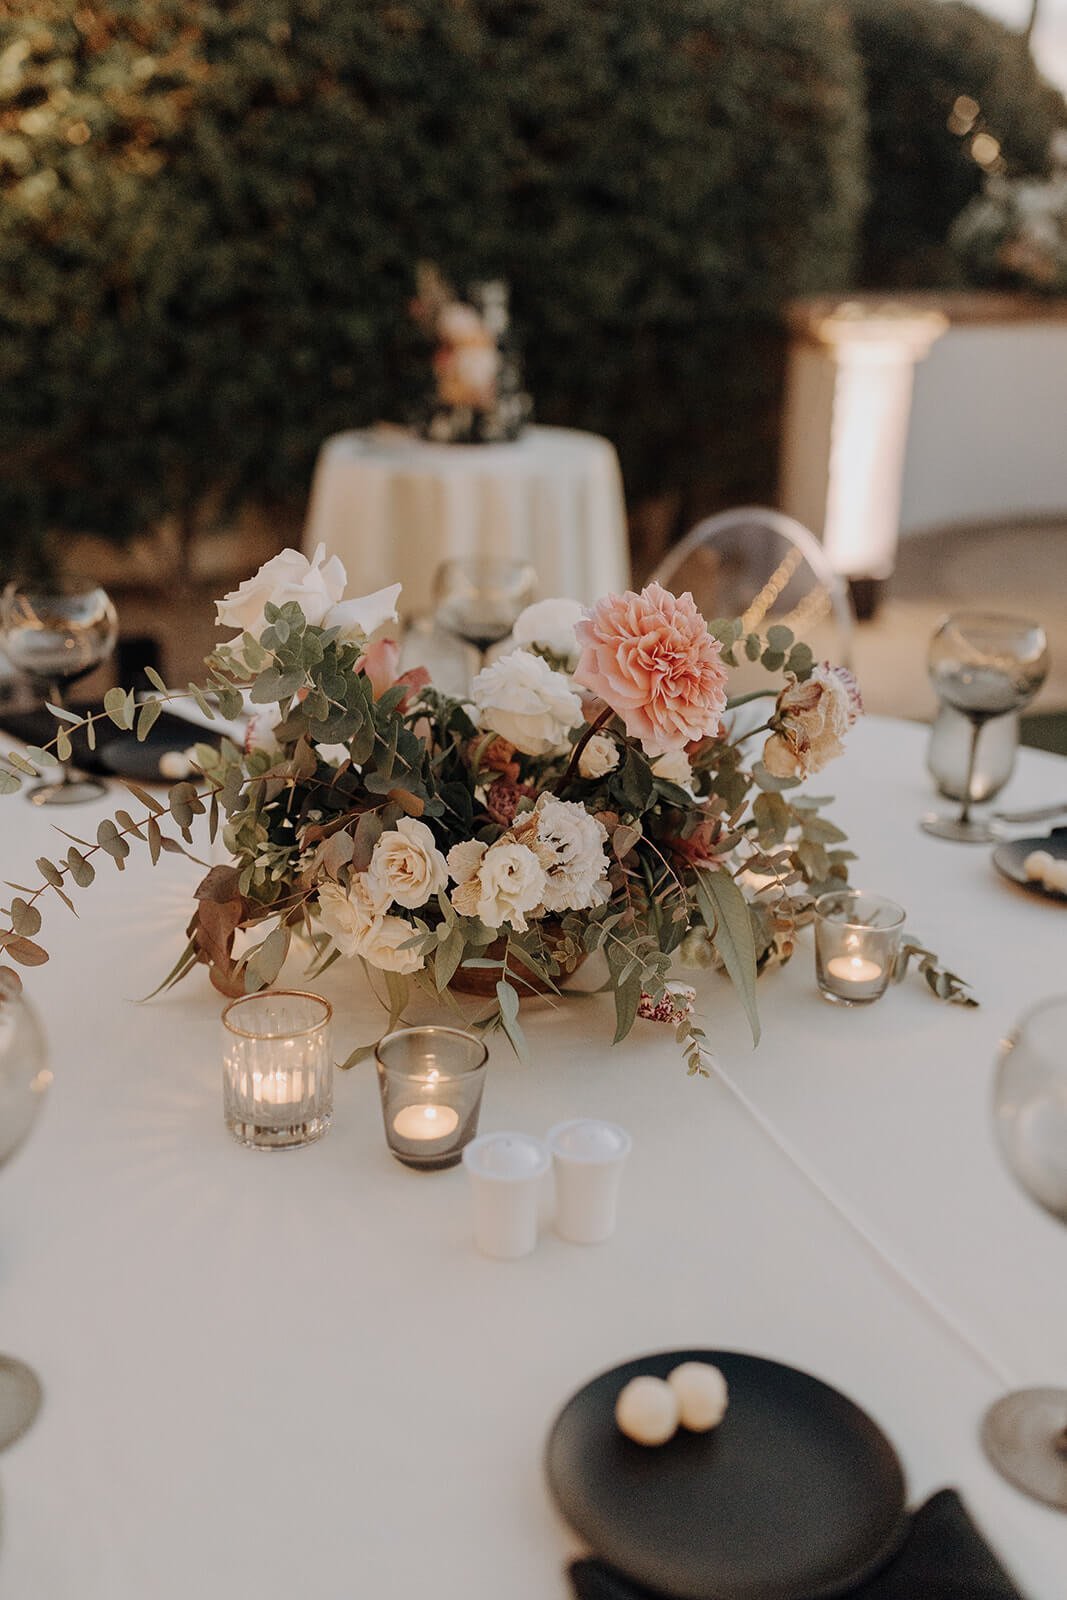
x: 857, y: 938
x: 431, y: 1082
x: 277, y: 1069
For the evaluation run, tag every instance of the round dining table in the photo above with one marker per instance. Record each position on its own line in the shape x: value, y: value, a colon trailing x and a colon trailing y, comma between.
x: 290, y: 1373
x: 394, y: 506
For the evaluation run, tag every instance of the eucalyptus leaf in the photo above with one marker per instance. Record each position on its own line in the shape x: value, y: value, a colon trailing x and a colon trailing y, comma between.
x: 508, y: 1000
x: 726, y: 917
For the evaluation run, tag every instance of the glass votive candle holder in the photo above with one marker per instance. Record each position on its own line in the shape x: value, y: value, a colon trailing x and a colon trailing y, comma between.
x: 431, y: 1081
x: 277, y: 1069
x: 857, y: 939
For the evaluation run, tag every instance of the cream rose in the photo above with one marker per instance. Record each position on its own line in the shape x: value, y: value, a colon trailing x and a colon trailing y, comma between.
x: 673, y: 768
x: 316, y: 586
x: 549, y: 625
x: 810, y: 722
x: 350, y: 916
x: 406, y: 865
x: 521, y: 698
x: 600, y: 756
x: 510, y: 881
x: 381, y: 946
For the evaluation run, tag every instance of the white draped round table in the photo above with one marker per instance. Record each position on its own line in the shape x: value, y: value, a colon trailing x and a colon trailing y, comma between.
x: 394, y: 506
x: 290, y: 1374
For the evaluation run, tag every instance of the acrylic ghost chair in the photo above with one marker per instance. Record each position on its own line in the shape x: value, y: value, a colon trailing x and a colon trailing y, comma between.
x: 765, y: 568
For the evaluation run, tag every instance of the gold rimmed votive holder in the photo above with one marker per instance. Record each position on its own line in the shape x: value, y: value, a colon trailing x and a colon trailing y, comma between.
x: 277, y: 1068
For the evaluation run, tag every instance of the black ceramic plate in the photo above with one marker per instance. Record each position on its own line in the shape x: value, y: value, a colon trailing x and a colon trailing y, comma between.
x: 1009, y: 859
x: 796, y: 1495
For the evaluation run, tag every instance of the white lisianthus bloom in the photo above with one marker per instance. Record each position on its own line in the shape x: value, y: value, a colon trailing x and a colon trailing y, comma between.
x: 406, y: 865
x: 509, y: 882
x: 549, y: 625
x: 317, y: 587
x: 673, y: 768
x: 350, y: 915
x: 810, y: 722
x: 381, y: 946
x: 521, y: 698
x: 600, y: 756
x: 465, y: 858
x: 572, y: 849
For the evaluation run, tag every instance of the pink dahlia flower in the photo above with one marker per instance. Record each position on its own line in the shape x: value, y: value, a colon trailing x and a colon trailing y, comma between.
x: 651, y: 658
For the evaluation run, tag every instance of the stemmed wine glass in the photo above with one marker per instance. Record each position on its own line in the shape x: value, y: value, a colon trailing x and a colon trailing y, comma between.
x: 24, y: 1077
x: 1025, y: 1433
x: 54, y: 635
x: 983, y: 664
x: 479, y: 598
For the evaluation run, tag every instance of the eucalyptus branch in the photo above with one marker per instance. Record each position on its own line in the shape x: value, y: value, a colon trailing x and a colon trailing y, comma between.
x: 944, y: 984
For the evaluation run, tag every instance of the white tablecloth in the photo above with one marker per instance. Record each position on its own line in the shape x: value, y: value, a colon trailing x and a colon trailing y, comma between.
x: 393, y: 507
x: 290, y: 1374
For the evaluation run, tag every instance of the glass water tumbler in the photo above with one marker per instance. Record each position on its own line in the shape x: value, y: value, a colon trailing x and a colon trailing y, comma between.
x: 857, y: 941
x: 277, y: 1069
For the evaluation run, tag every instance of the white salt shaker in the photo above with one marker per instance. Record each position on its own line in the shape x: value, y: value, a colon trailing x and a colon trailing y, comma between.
x: 505, y: 1172
x: 588, y: 1157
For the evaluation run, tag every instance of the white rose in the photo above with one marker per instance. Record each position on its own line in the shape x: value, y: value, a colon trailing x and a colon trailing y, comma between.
x: 521, y: 698
x: 460, y: 324
x: 674, y: 768
x: 406, y: 865
x: 811, y: 720
x: 316, y: 586
x: 549, y: 624
x: 381, y: 946
x: 509, y: 883
x: 358, y: 619
x: 349, y: 916
x: 600, y: 756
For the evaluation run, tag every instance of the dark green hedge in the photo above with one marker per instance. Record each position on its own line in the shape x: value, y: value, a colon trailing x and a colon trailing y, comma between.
x: 211, y: 213
x: 920, y: 57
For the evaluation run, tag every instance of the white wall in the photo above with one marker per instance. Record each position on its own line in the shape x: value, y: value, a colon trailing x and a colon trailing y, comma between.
x: 988, y: 431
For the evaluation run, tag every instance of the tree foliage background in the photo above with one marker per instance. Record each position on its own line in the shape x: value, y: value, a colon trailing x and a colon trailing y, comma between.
x: 210, y: 215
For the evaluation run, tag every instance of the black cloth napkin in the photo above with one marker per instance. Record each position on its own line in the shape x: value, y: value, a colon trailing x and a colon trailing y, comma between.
x: 38, y: 726
x: 943, y: 1557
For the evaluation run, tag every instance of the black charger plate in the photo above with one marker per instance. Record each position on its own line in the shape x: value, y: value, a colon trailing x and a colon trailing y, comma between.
x: 1010, y: 858
x: 797, y: 1495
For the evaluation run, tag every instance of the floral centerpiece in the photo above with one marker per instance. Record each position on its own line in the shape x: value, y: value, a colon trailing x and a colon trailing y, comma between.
x: 597, y: 792
x: 477, y: 395
x: 1014, y: 234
